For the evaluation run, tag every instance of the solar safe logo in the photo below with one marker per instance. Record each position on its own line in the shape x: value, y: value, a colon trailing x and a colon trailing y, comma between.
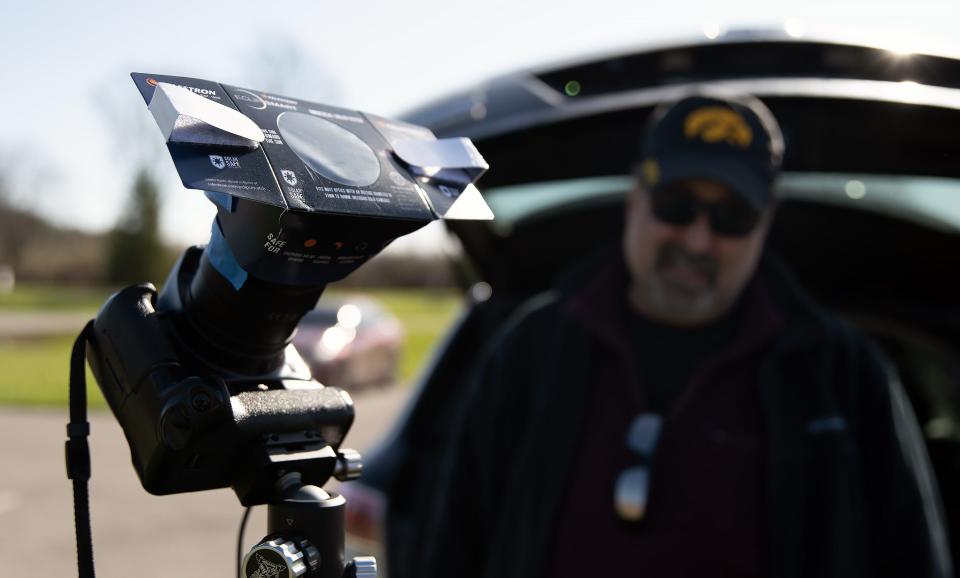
x: 289, y: 176
x: 221, y: 162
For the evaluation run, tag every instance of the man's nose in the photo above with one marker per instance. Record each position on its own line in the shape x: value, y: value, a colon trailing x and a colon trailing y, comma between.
x: 698, y: 236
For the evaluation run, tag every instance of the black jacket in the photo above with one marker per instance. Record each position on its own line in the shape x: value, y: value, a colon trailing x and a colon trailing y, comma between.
x: 856, y: 499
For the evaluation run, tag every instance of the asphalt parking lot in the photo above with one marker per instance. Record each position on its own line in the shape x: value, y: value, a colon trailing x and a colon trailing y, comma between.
x: 135, y: 533
x: 29, y: 324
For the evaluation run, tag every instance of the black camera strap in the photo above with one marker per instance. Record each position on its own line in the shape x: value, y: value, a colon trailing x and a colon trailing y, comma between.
x: 78, y: 453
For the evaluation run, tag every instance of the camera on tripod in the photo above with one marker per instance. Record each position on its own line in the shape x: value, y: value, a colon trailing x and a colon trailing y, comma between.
x: 201, y: 375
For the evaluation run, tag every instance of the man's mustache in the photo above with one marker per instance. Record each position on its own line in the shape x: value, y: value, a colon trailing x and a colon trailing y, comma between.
x: 672, y: 254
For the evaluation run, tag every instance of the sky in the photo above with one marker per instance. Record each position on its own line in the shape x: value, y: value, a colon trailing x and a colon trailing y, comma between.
x: 76, y: 127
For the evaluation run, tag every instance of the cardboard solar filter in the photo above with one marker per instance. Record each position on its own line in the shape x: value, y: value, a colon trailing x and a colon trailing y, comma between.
x: 306, y: 192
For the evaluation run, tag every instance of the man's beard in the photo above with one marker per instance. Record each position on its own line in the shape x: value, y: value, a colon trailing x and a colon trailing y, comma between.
x: 681, y: 288
x: 704, y: 266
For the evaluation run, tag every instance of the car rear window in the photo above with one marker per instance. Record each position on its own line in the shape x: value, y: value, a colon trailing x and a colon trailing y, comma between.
x: 929, y: 201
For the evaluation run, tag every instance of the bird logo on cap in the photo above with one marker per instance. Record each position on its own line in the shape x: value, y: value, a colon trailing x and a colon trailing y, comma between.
x: 713, y: 124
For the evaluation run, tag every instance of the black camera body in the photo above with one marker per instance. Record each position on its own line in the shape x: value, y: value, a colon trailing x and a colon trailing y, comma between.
x: 192, y: 425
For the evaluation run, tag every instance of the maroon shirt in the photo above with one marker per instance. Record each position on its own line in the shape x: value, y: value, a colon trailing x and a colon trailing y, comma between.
x: 705, y: 514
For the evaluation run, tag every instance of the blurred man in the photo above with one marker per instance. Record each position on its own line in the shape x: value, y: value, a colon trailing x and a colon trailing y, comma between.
x: 679, y: 408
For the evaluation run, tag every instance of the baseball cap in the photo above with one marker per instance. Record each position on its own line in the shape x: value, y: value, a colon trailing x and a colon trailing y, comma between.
x: 731, y: 138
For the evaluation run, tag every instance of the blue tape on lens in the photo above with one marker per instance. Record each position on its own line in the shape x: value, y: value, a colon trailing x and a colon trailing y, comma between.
x: 222, y: 200
x: 220, y: 255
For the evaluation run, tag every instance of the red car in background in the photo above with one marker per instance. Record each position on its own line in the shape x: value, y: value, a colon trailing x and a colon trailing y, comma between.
x: 350, y: 343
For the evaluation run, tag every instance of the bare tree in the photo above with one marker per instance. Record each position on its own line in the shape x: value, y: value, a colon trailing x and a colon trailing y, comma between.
x: 133, y: 134
x: 135, y: 251
x: 25, y: 176
x: 287, y: 67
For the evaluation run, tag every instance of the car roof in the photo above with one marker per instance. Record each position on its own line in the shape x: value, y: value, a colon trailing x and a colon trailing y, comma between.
x: 760, y: 61
x: 817, y: 88
x: 846, y: 109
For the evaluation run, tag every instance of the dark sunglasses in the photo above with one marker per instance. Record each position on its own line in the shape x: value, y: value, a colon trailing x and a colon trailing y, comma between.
x: 679, y: 206
x: 631, y: 494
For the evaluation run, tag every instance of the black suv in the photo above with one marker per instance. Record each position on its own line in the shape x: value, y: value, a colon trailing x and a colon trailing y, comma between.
x: 869, y: 221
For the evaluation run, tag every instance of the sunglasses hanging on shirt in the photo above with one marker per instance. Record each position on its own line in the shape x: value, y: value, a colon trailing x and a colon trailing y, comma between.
x: 632, y: 490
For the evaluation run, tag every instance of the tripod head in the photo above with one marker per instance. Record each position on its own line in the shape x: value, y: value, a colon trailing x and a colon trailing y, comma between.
x: 201, y: 375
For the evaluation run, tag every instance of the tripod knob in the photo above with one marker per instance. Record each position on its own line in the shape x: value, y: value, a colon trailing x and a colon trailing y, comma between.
x: 278, y: 557
x: 349, y: 465
x: 361, y: 567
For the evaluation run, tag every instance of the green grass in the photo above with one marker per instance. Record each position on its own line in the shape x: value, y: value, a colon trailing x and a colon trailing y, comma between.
x: 35, y: 372
x: 34, y: 297
x: 425, y: 317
